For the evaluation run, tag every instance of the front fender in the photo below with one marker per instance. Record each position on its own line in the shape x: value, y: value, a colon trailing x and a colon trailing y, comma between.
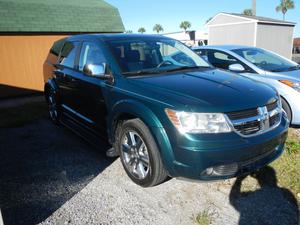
x: 139, y: 110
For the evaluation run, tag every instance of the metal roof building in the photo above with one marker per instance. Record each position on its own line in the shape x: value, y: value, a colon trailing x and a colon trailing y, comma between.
x: 237, y: 29
x: 28, y: 29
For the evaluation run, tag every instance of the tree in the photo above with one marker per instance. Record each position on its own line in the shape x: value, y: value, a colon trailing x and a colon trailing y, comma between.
x: 141, y: 30
x: 185, y: 25
x: 158, y: 28
x: 284, y: 6
x: 128, y: 32
x: 248, y: 12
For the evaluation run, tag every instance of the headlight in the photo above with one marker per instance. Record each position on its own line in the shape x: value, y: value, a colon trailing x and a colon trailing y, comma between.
x: 295, y: 85
x: 204, y: 123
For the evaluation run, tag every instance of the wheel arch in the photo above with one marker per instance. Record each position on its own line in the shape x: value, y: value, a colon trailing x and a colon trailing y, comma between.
x: 288, y: 104
x: 50, y: 84
x: 131, y: 109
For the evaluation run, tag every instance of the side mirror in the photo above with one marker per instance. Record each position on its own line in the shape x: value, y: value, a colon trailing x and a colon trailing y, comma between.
x: 96, y: 70
x: 236, y: 68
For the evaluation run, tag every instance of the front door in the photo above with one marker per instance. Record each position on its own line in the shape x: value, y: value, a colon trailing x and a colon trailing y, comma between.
x: 91, y: 102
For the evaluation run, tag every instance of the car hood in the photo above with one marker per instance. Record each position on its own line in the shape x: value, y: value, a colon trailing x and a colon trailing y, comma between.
x: 208, y: 91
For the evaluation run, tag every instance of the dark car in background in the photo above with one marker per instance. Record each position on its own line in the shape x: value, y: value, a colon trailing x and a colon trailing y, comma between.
x: 163, y: 116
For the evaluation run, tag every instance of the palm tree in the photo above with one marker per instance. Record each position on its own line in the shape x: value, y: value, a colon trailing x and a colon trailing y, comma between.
x: 248, y: 12
x: 141, y: 30
x: 185, y: 25
x: 158, y: 28
x: 284, y: 6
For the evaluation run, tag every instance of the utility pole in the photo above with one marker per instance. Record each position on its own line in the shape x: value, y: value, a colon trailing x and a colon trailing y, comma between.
x: 254, y: 7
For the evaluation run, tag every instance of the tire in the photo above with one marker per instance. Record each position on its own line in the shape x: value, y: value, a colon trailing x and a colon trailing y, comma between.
x: 53, y: 106
x: 287, y: 109
x: 139, y: 154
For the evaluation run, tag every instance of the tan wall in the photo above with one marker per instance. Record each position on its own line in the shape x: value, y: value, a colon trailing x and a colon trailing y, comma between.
x: 278, y: 39
x: 22, y: 58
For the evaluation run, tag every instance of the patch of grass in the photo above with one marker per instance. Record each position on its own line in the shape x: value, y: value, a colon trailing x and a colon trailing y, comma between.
x: 292, y: 146
x: 287, y: 167
x: 20, y: 115
x: 204, y: 218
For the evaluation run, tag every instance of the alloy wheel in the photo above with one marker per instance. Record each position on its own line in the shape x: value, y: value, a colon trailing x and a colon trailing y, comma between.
x: 52, y: 107
x: 135, y: 154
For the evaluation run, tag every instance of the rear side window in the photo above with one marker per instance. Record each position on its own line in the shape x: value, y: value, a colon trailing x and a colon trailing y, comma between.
x: 68, y: 54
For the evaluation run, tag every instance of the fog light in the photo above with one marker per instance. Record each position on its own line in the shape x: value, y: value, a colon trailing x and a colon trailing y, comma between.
x: 222, y: 170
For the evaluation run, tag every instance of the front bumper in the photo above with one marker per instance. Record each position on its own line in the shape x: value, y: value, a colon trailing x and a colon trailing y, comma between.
x: 192, y: 155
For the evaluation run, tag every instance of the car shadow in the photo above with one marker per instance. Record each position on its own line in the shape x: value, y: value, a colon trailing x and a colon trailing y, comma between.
x: 270, y: 204
x: 42, y: 166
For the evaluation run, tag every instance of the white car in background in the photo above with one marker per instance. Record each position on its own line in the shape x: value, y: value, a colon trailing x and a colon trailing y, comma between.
x: 260, y: 64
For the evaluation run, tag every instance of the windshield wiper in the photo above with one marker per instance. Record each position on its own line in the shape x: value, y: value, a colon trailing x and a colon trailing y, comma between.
x: 141, y: 72
x: 287, y: 69
x: 186, y: 68
x: 294, y: 68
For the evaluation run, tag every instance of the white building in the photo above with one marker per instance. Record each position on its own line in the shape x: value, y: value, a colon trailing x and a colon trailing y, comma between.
x: 237, y: 29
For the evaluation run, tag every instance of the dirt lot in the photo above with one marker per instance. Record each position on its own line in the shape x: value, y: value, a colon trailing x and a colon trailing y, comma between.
x: 48, y: 175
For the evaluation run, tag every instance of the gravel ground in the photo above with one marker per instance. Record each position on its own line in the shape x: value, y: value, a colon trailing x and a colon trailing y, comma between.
x: 50, y: 176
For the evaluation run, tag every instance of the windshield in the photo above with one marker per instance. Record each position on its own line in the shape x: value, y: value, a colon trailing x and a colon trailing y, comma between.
x: 145, y: 56
x: 266, y: 60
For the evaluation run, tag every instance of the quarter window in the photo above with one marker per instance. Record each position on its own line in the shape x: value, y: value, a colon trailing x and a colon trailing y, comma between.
x: 68, y: 54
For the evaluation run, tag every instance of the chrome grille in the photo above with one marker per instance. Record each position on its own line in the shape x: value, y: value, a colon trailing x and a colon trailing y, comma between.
x: 255, y: 121
x: 242, y: 114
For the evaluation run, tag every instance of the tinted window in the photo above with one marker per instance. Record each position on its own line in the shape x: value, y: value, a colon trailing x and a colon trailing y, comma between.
x: 90, y: 54
x: 224, y: 56
x: 68, y: 54
x: 220, y: 59
x: 223, y: 60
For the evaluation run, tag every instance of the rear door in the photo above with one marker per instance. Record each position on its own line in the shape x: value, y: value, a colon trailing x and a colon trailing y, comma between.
x: 64, y: 73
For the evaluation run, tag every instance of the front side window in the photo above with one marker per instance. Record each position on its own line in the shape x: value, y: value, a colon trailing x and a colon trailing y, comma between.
x: 154, y: 55
x: 90, y: 54
x: 68, y: 54
x: 266, y: 60
x: 220, y: 59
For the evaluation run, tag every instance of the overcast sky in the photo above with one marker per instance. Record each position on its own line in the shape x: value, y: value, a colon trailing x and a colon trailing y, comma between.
x: 169, y: 13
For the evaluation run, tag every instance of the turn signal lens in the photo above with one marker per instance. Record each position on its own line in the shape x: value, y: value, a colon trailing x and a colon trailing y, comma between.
x: 295, y: 85
x: 287, y: 82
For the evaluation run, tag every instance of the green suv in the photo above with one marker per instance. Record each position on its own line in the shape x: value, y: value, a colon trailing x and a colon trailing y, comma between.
x: 164, y: 110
